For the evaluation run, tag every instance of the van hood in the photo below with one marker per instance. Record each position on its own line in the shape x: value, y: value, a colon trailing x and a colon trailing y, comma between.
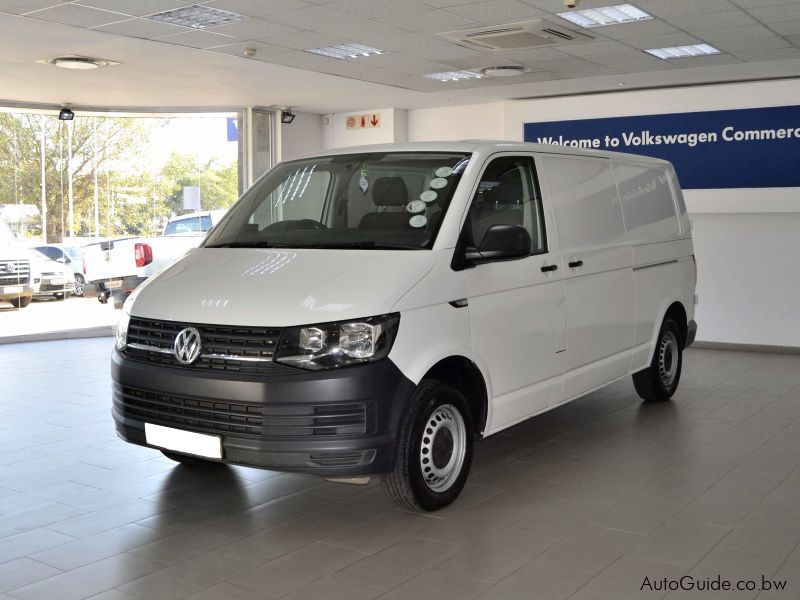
x: 280, y: 287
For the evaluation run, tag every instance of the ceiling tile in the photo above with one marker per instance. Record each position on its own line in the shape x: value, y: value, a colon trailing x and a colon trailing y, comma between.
x: 481, y: 61
x: 302, y: 40
x: 635, y: 59
x: 142, y: 28
x: 353, y: 28
x: 264, y: 52
x: 756, y: 3
x: 589, y: 49
x: 443, y: 52
x: 259, y: 8
x: 404, y: 64
x: 401, y: 41
x: 19, y: 7
x: 373, y: 9
x: 777, y: 14
x: 683, y: 8
x: 138, y: 8
x: 662, y: 41
x: 428, y: 21
x: 198, y: 39
x: 531, y: 55
x: 723, y: 20
x: 713, y: 36
x: 704, y: 61
x: 496, y: 11
x: 446, y: 3
x: 640, y: 29
x: 253, y: 29
x: 79, y: 16
x: 786, y: 28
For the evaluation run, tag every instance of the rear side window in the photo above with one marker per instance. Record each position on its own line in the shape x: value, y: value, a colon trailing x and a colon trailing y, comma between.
x: 507, y: 195
x: 191, y: 225
x: 647, y: 202
x: 585, y: 201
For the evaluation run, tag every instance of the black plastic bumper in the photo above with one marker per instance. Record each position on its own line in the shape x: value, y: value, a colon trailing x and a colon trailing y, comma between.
x: 382, y: 389
x: 691, y: 332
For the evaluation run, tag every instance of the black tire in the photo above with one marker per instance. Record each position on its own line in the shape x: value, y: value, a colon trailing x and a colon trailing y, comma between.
x: 103, y: 298
x: 658, y: 382
x: 21, y: 302
x: 79, y: 283
x: 432, y: 428
x: 190, y: 461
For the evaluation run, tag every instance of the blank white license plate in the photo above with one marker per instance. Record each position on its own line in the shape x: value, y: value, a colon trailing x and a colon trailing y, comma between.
x: 17, y: 289
x: 57, y: 281
x: 188, y: 442
x: 113, y: 285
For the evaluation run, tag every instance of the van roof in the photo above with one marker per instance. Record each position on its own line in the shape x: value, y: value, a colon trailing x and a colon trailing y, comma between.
x: 481, y: 147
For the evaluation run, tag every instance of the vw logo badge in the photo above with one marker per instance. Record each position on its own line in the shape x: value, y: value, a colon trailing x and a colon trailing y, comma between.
x: 187, y: 345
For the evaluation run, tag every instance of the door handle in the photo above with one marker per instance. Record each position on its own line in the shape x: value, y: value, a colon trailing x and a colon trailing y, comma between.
x: 575, y: 263
x: 547, y: 268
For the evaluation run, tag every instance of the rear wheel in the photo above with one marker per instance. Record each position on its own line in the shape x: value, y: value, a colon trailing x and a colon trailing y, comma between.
x: 21, y: 302
x: 79, y: 283
x: 434, y: 449
x: 188, y: 460
x: 659, y: 381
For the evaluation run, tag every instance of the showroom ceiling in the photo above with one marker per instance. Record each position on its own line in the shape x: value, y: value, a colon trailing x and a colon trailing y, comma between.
x: 755, y: 39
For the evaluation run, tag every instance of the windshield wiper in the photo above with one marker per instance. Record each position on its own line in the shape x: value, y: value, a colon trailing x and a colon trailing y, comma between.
x: 254, y: 244
x: 369, y: 244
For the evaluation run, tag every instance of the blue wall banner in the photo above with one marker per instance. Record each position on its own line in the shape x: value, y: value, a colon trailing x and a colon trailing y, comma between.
x: 745, y: 148
x: 233, y: 129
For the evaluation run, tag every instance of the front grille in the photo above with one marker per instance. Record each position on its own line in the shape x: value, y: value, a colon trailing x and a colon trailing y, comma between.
x: 220, y: 344
x: 242, y: 418
x: 15, y: 272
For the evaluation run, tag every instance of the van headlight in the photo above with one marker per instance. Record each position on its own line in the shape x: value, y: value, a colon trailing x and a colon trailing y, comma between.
x: 339, y: 344
x: 121, y: 338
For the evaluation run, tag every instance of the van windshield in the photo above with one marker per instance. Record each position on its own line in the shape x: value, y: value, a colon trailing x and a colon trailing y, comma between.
x: 394, y: 200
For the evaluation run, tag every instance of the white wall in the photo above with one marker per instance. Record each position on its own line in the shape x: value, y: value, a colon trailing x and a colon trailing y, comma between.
x: 301, y: 136
x: 392, y: 129
x: 745, y: 240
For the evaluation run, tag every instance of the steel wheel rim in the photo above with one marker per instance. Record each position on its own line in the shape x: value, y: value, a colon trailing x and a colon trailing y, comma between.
x: 78, y: 287
x: 443, y: 448
x: 668, y: 353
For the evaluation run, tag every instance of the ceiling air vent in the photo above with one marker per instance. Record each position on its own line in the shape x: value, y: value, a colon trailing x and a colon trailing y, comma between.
x: 523, y: 34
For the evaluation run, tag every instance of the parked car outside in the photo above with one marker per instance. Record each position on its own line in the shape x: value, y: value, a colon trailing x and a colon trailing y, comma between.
x: 19, y: 278
x: 70, y: 255
x: 58, y: 280
x: 114, y: 268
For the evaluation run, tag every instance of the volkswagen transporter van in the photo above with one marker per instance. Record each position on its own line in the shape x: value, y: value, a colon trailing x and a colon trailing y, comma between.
x: 375, y: 310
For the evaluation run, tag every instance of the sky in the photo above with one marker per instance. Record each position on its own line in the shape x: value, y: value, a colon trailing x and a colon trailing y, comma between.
x: 205, y: 137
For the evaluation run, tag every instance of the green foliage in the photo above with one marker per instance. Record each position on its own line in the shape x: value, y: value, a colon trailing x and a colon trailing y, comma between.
x: 134, y: 196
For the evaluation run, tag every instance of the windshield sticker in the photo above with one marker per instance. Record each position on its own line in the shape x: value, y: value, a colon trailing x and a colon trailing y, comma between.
x: 428, y: 196
x: 363, y: 183
x: 415, y: 206
x: 418, y: 221
x: 444, y: 172
x: 438, y: 183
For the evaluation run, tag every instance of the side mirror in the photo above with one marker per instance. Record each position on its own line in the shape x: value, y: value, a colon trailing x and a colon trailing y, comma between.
x: 501, y: 242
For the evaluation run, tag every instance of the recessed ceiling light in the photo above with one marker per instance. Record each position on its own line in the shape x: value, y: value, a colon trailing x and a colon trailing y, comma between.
x: 453, y: 75
x: 503, y: 71
x: 605, y: 15
x: 197, y: 17
x: 78, y: 62
x: 683, y: 51
x: 345, y: 51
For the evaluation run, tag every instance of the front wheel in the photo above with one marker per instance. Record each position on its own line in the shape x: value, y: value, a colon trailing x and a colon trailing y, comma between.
x: 79, y: 283
x: 659, y: 381
x: 21, y: 302
x: 434, y: 449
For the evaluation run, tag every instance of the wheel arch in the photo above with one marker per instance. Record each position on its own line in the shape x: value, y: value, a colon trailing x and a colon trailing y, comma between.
x: 463, y: 374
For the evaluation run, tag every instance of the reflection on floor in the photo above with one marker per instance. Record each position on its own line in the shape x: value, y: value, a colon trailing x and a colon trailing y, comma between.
x: 583, y: 502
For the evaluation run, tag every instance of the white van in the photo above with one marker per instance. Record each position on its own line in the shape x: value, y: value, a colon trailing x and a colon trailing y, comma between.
x: 374, y: 310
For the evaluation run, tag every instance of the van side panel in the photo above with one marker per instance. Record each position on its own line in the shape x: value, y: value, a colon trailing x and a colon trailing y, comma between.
x: 658, y: 230
x: 599, y: 286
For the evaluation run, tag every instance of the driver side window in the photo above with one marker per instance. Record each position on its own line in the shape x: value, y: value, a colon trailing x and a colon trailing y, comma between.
x: 301, y: 196
x: 508, y: 194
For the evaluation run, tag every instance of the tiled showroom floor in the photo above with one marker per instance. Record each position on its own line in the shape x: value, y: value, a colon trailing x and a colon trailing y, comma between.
x: 582, y: 502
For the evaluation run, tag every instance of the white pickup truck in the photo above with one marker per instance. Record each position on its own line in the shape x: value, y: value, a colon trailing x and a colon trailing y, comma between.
x: 114, y: 268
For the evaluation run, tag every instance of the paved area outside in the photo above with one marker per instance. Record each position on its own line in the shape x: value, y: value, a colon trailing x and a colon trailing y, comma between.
x: 75, y: 317
x: 583, y: 502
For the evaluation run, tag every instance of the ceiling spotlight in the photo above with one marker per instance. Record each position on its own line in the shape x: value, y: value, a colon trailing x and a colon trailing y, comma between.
x: 249, y: 52
x: 503, y: 71
x: 82, y: 63
x: 65, y: 114
x: 287, y: 116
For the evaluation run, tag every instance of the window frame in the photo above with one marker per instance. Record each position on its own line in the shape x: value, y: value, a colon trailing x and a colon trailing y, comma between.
x: 537, y: 190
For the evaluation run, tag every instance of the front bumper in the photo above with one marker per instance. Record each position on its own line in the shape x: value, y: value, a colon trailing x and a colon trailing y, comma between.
x: 48, y: 287
x: 20, y: 291
x: 280, y: 422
